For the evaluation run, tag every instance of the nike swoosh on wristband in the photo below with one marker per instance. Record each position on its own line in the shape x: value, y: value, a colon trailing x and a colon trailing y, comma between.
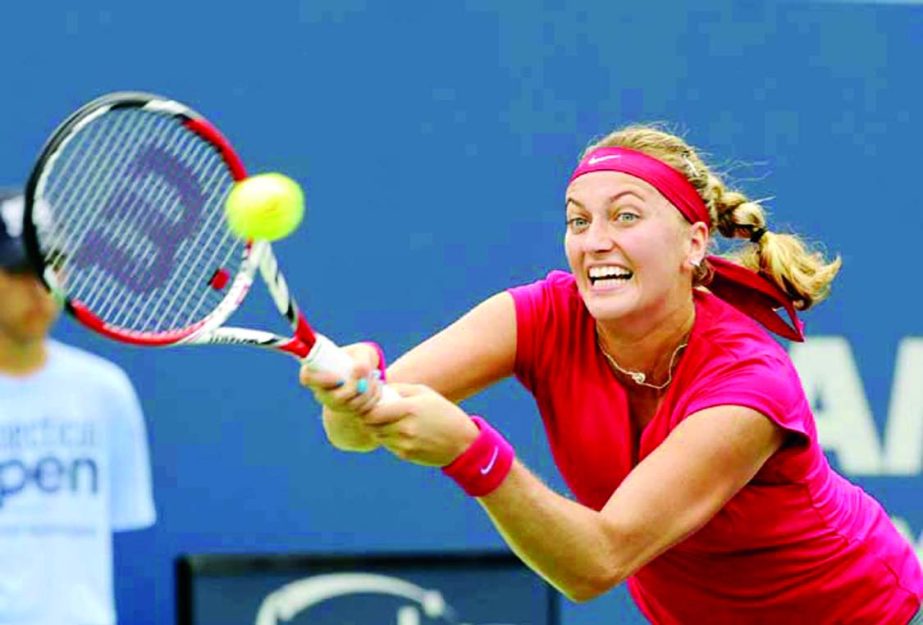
x: 490, y: 465
x: 599, y: 159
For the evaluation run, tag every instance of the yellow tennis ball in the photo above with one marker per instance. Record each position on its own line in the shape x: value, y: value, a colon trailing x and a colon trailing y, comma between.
x: 265, y: 207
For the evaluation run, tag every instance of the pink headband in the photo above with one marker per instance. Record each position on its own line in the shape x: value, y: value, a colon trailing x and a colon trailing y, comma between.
x: 671, y: 184
x: 744, y: 289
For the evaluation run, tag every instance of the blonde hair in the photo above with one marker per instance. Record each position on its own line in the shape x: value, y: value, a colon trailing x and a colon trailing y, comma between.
x: 785, y: 259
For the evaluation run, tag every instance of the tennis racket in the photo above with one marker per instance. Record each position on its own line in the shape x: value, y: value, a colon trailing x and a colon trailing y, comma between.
x: 125, y: 224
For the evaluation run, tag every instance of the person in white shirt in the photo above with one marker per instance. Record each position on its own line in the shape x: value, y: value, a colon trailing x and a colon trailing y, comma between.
x: 74, y: 460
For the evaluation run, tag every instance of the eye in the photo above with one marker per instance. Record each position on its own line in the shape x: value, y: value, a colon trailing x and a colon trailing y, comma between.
x: 577, y: 224
x: 627, y: 217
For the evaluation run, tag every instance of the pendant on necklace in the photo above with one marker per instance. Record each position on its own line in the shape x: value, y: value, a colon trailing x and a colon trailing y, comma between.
x: 638, y: 377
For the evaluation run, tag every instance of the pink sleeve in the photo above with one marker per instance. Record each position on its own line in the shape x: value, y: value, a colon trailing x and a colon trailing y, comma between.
x: 538, y: 306
x: 532, y: 311
x: 766, y: 383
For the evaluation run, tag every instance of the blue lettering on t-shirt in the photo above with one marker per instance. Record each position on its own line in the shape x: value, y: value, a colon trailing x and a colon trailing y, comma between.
x: 50, y: 475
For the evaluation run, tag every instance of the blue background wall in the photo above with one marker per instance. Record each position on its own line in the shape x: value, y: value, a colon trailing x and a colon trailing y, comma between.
x: 434, y: 140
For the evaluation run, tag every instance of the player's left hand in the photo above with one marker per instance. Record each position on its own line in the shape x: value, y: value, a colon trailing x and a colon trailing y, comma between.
x: 422, y: 427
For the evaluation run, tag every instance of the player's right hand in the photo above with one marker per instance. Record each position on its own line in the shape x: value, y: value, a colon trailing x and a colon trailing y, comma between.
x: 355, y: 395
x: 345, y: 401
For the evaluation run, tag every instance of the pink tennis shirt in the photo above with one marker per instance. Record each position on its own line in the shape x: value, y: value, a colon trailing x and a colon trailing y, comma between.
x: 798, y: 544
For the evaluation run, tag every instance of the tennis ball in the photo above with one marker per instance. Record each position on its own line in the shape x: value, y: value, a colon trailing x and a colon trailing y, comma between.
x: 266, y: 207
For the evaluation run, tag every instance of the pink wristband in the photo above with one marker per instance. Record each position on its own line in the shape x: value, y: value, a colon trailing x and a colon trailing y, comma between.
x: 382, y: 366
x: 481, y: 468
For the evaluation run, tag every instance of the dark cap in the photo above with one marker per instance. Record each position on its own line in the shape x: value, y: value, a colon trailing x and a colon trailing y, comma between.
x: 12, y: 251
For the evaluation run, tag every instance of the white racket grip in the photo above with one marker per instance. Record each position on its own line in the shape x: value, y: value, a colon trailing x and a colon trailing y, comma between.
x: 327, y: 356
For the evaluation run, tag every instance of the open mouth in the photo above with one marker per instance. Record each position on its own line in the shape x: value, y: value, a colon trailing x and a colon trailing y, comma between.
x: 609, y: 275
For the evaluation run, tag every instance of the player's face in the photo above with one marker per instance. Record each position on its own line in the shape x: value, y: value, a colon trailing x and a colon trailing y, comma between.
x: 628, y: 247
x: 27, y: 311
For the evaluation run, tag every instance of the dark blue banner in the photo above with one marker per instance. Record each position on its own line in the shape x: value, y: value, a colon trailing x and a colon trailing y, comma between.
x: 409, y: 590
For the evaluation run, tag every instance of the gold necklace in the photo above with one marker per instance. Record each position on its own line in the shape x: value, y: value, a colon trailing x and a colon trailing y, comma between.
x: 638, y: 376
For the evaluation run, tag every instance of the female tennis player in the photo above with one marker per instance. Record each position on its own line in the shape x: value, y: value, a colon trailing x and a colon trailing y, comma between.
x: 675, y: 417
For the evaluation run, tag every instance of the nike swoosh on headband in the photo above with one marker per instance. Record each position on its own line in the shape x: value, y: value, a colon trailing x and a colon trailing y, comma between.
x: 599, y: 159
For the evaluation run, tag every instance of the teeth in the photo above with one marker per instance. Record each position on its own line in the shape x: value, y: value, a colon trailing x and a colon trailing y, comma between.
x: 597, y: 273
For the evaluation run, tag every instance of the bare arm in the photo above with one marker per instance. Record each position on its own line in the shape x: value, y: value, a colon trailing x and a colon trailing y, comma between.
x: 471, y: 354
x: 675, y: 491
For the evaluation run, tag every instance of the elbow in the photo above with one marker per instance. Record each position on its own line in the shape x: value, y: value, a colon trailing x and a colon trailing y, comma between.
x: 615, y: 557
x: 581, y: 595
x: 592, y: 585
x: 607, y: 562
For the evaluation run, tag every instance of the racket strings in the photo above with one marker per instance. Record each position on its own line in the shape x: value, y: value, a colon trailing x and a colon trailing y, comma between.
x: 96, y: 146
x: 216, y: 237
x: 137, y: 203
x: 81, y: 190
x: 130, y: 235
x: 158, y: 197
x: 90, y: 172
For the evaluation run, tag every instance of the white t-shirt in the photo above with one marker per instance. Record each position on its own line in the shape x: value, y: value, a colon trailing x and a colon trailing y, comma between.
x: 74, y: 467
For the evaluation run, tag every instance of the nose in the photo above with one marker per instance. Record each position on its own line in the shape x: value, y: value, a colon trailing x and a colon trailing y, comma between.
x: 599, y: 236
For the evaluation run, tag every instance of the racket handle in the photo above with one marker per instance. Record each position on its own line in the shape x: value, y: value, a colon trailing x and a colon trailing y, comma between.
x: 327, y: 356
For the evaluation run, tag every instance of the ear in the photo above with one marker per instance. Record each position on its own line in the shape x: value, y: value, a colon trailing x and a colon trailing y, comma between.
x: 698, y: 244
